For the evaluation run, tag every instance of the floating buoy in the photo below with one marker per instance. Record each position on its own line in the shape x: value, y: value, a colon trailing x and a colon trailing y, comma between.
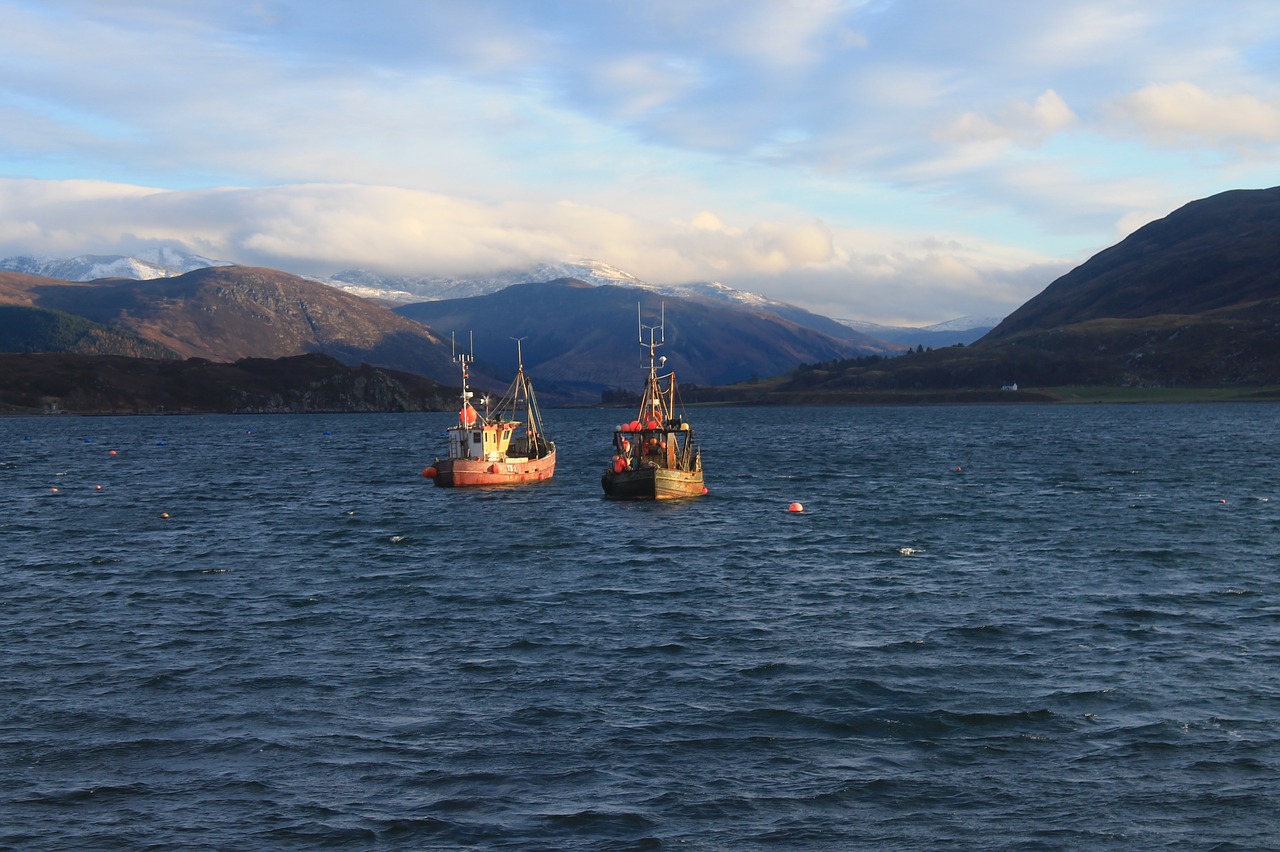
x: 957, y: 468
x: 1222, y: 501
x: 430, y: 472
x: 112, y: 453
x: 53, y: 491
x: 97, y: 488
x: 164, y: 515
x: 795, y: 507
x: 704, y: 489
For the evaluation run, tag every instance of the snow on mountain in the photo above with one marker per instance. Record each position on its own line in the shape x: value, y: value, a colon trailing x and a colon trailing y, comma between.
x: 430, y: 288
x: 156, y: 263
x: 404, y: 289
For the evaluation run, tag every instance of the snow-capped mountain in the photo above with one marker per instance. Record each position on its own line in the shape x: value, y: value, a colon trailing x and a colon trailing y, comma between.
x: 430, y: 288
x: 406, y: 289
x: 155, y: 263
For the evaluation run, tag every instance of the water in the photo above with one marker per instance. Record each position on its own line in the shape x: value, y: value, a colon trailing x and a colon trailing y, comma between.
x: 996, y: 627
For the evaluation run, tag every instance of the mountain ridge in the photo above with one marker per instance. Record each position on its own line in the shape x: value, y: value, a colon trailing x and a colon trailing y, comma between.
x: 585, y: 335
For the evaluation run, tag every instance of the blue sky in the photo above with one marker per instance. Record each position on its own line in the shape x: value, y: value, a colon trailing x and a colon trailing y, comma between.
x: 901, y: 162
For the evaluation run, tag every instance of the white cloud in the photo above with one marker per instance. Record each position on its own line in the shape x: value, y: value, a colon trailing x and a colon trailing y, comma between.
x: 321, y: 229
x: 764, y: 142
x: 1182, y: 113
x: 1027, y: 124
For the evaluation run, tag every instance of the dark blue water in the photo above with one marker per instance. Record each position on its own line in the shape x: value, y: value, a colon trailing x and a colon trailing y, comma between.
x: 992, y: 628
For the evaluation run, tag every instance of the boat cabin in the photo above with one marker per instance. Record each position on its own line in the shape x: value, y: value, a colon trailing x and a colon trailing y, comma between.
x: 487, y: 441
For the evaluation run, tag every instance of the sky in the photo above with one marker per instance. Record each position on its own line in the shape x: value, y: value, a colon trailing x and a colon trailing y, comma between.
x: 897, y: 161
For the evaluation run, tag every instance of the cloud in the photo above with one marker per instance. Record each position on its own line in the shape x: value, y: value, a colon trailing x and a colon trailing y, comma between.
x: 1027, y: 124
x: 781, y: 145
x: 323, y: 229
x: 1182, y: 113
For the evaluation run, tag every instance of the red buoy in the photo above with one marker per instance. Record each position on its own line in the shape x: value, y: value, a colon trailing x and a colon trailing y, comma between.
x: 430, y: 472
x: 795, y: 507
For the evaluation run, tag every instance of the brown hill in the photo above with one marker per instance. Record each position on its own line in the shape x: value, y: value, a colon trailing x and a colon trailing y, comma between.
x: 28, y: 329
x: 234, y: 312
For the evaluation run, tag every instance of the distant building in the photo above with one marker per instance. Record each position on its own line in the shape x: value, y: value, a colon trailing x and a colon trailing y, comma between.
x: 1011, y: 386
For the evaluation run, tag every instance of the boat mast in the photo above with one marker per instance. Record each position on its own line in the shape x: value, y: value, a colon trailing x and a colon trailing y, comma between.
x: 657, y: 337
x: 464, y: 361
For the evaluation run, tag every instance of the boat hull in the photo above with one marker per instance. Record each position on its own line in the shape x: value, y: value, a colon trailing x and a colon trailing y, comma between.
x: 652, y: 483
x: 475, y: 473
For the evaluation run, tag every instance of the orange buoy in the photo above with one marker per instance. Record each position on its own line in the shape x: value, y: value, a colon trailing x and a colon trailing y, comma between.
x: 430, y: 472
x: 467, y: 415
x: 493, y: 468
x: 795, y: 507
x: 619, y: 464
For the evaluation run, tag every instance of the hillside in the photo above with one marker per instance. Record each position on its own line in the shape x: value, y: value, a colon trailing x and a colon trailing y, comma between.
x: 29, y: 329
x: 585, y: 336
x: 80, y: 384
x: 231, y: 312
x: 1191, y: 300
x: 1214, y: 253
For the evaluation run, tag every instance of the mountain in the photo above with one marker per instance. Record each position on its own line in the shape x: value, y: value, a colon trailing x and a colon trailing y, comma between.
x: 417, y: 288
x: 582, y: 336
x: 154, y: 263
x: 410, y: 289
x: 1190, y: 300
x: 1215, y: 253
x: 960, y: 330
x: 231, y: 312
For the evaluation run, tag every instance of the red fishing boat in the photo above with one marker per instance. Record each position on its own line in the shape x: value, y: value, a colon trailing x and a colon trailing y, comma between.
x: 655, y: 457
x: 505, y: 445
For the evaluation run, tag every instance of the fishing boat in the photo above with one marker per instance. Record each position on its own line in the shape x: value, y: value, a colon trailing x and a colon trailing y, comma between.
x: 655, y: 456
x: 503, y: 445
